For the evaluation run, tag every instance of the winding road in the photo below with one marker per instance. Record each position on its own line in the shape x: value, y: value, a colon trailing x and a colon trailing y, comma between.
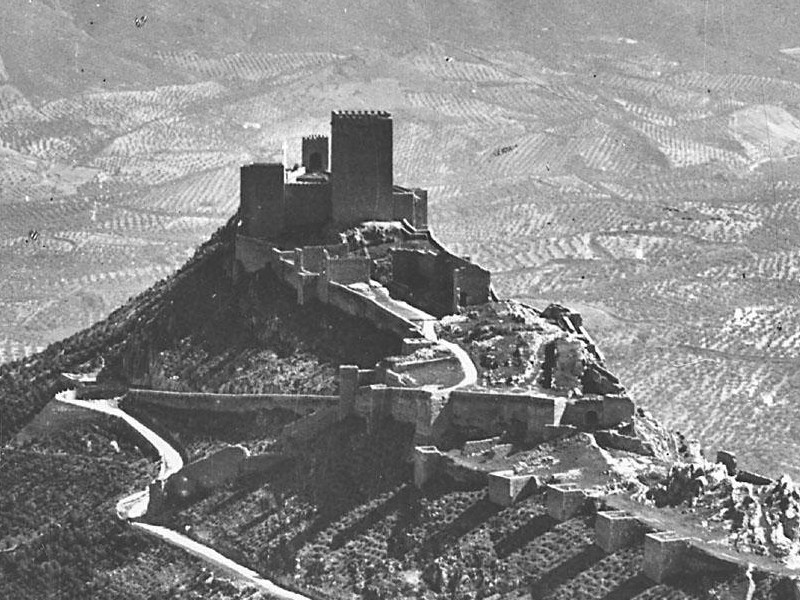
x: 470, y: 372
x: 135, y: 506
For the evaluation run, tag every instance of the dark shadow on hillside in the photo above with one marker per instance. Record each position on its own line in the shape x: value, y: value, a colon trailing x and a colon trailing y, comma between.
x: 468, y: 520
x: 514, y: 541
x: 563, y: 572
x: 630, y: 588
x: 393, y: 504
x: 249, y: 485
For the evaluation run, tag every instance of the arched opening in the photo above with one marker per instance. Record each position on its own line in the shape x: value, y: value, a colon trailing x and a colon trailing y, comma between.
x: 315, y: 162
x: 592, y: 420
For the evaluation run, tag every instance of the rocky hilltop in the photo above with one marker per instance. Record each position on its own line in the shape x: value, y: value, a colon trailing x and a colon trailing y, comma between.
x: 354, y: 505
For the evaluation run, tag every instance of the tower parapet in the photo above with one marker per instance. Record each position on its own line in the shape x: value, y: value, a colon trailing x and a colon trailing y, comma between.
x: 315, y: 153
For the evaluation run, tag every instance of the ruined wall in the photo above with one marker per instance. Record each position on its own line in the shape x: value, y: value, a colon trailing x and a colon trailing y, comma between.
x: 347, y: 270
x: 307, y: 204
x: 314, y: 256
x: 413, y: 267
x: 471, y: 283
x: 420, y: 209
x: 315, y: 145
x: 488, y: 413
x: 403, y: 205
x: 252, y: 253
x: 261, y: 199
x: 362, y: 306
x: 361, y: 166
x: 408, y: 405
x: 236, y: 403
x: 411, y: 205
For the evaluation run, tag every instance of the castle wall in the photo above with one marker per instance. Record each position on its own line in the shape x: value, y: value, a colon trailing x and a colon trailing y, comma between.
x: 297, y: 403
x: 315, y: 144
x: 361, y: 166
x: 420, y: 209
x: 348, y: 270
x: 489, y: 413
x: 207, y: 473
x: 471, y: 283
x: 252, y: 253
x: 360, y: 305
x: 261, y: 201
x: 314, y: 256
x: 411, y: 205
x: 307, y: 204
x: 451, y: 278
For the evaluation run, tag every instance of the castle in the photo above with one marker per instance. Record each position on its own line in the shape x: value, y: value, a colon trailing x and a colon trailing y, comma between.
x: 277, y: 207
x: 420, y: 281
x: 357, y: 187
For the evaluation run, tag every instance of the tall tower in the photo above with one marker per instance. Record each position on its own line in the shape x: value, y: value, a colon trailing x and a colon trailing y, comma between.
x: 361, y: 166
x: 261, y: 201
x: 315, y: 153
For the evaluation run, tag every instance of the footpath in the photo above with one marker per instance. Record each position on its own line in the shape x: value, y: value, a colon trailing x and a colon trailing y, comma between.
x: 135, y: 506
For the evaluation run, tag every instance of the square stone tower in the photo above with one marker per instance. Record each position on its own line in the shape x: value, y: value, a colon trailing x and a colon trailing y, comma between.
x: 261, y: 201
x: 361, y: 166
x: 315, y: 153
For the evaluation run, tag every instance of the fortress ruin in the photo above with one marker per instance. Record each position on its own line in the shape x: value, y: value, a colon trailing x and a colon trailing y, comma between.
x: 281, y: 211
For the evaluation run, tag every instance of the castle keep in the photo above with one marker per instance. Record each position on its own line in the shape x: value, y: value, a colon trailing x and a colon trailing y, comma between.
x: 374, y: 258
x: 358, y: 187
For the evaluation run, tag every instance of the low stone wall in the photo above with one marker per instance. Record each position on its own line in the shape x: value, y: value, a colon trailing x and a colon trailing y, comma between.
x: 347, y: 270
x: 617, y: 441
x: 361, y: 305
x: 301, y: 404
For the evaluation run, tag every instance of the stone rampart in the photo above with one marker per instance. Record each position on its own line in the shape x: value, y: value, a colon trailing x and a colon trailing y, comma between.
x: 348, y: 270
x: 361, y: 305
x: 491, y: 413
x: 407, y: 405
x: 301, y: 404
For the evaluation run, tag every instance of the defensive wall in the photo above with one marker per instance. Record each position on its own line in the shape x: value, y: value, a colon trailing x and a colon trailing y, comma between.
x: 300, y: 404
x: 324, y: 273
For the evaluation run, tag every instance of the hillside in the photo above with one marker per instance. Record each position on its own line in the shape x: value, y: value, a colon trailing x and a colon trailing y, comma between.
x: 637, y: 165
x: 340, y: 515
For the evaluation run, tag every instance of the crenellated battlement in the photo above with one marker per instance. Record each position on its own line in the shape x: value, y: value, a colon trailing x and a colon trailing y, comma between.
x: 362, y: 114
